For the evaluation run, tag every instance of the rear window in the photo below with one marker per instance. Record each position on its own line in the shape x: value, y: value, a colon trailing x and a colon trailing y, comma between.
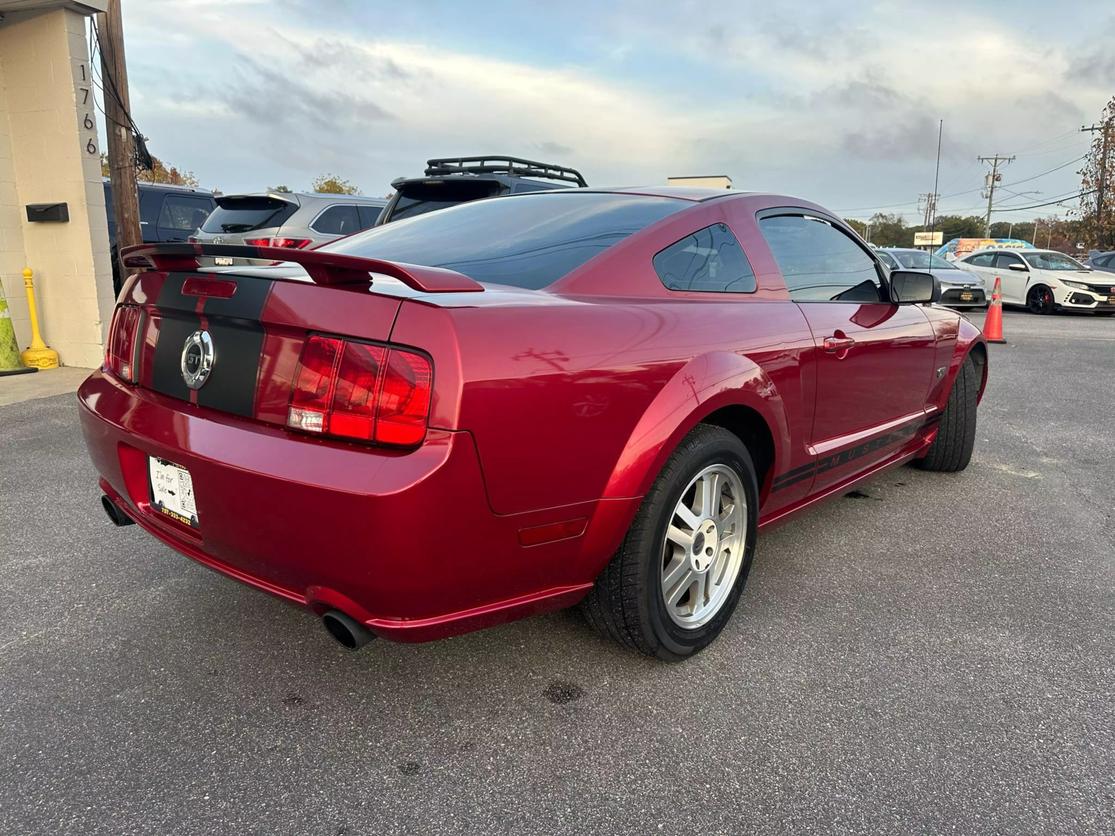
x: 430, y: 196
x: 244, y: 214
x: 529, y: 241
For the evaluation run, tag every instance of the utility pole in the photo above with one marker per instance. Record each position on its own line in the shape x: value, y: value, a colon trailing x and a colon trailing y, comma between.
x: 118, y: 124
x: 927, y: 201
x: 932, y: 215
x: 992, y: 178
x: 1101, y: 184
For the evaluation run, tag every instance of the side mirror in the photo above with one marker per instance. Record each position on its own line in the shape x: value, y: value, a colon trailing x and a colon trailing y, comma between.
x: 1021, y: 268
x: 912, y: 287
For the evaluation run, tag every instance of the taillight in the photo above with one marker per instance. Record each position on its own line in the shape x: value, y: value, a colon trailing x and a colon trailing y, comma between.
x: 122, y: 353
x: 288, y: 243
x: 291, y: 243
x: 356, y: 390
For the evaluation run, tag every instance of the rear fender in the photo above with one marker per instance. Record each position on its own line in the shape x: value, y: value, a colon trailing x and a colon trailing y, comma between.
x: 699, y: 388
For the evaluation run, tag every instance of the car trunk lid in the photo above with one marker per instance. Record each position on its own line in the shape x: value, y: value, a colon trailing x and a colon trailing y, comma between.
x: 257, y: 319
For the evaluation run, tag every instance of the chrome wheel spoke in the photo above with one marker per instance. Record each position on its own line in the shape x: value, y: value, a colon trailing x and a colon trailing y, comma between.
x: 686, y: 515
x: 674, y: 592
x: 681, y: 538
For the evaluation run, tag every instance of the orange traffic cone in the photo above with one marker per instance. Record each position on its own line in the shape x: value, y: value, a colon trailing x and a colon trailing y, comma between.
x: 993, y: 324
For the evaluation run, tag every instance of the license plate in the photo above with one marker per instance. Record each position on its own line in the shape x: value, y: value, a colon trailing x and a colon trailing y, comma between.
x: 222, y: 261
x: 966, y: 296
x: 172, y: 491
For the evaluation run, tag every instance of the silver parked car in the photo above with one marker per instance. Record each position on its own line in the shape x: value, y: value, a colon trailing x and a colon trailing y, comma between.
x: 1102, y: 261
x: 286, y: 219
x: 959, y: 288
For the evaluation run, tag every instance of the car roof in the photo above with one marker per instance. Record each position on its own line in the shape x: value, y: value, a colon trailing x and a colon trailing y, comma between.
x: 305, y: 197
x: 168, y: 187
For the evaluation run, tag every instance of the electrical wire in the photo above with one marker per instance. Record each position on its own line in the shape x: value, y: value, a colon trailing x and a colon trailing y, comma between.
x: 1062, y: 199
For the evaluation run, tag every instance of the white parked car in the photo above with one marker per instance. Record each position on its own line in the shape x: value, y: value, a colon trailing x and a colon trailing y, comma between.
x: 1042, y: 280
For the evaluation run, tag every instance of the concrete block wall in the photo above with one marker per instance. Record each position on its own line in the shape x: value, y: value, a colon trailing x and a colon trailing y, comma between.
x: 45, y: 158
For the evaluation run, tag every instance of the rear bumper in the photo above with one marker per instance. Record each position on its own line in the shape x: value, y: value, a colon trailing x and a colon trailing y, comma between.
x: 403, y: 542
x: 953, y: 296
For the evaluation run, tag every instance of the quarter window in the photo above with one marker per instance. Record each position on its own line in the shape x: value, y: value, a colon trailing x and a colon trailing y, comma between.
x: 183, y: 214
x: 983, y: 260
x: 337, y: 220
x: 710, y: 260
x: 819, y: 261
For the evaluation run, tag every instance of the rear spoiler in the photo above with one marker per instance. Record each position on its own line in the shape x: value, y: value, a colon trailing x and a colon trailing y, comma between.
x: 324, y: 267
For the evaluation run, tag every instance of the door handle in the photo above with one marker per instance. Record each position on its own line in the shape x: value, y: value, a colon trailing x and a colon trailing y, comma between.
x: 838, y: 343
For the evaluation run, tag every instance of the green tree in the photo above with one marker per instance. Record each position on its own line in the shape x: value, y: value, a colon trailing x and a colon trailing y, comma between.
x: 332, y: 184
x: 956, y: 226
x: 859, y: 226
x: 889, y: 231
x: 281, y: 189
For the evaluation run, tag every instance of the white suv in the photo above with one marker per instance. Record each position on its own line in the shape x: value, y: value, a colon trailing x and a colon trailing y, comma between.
x: 1042, y: 280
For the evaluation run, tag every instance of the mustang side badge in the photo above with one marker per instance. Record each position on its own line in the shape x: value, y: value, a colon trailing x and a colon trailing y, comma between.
x: 198, y: 357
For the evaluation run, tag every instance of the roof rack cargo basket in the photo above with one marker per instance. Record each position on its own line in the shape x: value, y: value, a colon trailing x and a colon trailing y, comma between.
x: 515, y: 166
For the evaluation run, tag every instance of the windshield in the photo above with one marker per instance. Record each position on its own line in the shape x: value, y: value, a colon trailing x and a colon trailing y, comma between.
x: 921, y: 261
x: 528, y: 241
x: 1052, y: 261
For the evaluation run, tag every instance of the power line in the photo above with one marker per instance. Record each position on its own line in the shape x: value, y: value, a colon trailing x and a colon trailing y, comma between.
x: 1062, y: 199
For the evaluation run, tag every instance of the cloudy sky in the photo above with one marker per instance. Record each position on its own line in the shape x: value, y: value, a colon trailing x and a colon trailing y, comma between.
x: 834, y: 101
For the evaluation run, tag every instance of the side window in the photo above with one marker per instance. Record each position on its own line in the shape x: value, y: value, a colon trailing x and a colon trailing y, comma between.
x: 183, y: 214
x: 710, y: 260
x: 337, y: 220
x: 819, y: 262
x: 368, y: 215
x: 981, y: 260
x: 888, y: 260
x: 1005, y: 260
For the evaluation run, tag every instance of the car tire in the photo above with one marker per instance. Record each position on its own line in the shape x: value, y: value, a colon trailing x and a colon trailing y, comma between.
x: 952, y: 449
x: 1039, y: 300
x: 628, y: 602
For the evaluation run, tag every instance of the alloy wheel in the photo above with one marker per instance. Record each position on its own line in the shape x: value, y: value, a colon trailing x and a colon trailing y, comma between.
x: 703, y: 548
x: 1040, y: 300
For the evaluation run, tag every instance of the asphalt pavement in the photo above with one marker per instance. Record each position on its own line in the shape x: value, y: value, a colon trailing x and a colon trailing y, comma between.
x: 935, y: 655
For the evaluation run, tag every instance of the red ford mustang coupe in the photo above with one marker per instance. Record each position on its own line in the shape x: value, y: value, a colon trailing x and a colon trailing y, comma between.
x: 521, y: 403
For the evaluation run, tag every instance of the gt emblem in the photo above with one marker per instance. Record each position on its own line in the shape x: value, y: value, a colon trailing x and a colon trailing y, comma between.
x: 198, y: 357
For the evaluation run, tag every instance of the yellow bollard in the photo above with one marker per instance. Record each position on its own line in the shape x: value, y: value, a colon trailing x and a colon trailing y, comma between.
x: 38, y: 355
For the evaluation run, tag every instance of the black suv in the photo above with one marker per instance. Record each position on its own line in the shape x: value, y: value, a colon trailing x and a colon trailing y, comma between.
x: 166, y: 213
x: 454, y: 180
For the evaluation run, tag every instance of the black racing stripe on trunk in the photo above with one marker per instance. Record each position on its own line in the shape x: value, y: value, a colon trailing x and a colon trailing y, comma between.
x: 246, y: 303
x: 166, y: 374
x: 171, y: 298
x: 237, y: 335
x: 231, y: 386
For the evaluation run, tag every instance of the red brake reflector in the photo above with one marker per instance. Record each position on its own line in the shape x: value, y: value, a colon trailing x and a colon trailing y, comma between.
x: 210, y: 288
